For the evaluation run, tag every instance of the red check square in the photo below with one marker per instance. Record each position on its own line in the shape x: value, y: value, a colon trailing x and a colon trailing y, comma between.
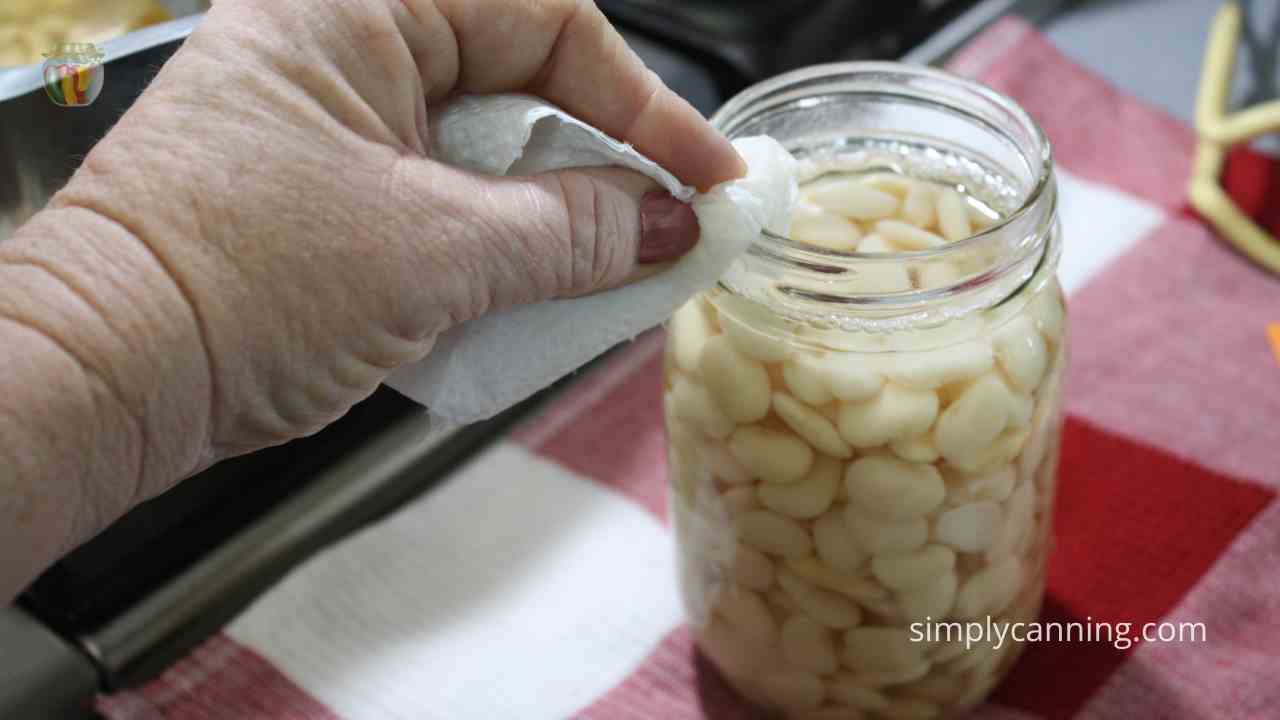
x: 1136, y: 528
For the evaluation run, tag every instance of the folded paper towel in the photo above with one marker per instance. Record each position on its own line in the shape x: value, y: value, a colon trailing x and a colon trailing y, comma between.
x: 485, y: 366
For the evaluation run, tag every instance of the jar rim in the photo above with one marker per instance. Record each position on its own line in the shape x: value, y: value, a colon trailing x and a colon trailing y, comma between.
x: 1043, y: 170
x: 977, y: 104
x: 69, y: 49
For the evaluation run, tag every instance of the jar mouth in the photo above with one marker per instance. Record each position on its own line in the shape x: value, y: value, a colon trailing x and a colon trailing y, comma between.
x: 1017, y: 242
x: 76, y: 48
x: 725, y: 118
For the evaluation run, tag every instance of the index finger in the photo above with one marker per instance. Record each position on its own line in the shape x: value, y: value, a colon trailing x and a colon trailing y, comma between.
x: 566, y: 52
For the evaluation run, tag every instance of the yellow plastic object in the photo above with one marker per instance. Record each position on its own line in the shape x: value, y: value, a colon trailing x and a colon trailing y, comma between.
x: 29, y: 28
x: 1218, y: 130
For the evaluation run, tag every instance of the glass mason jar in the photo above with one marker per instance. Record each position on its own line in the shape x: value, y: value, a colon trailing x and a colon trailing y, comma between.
x: 73, y: 74
x: 863, y: 418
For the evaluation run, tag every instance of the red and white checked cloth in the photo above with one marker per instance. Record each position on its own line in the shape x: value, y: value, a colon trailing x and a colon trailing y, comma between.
x: 540, y: 582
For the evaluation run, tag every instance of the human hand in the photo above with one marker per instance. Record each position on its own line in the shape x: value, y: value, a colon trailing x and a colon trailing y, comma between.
x: 275, y: 206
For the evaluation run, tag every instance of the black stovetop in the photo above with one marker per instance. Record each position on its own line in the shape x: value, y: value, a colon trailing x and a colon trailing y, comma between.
x: 744, y: 41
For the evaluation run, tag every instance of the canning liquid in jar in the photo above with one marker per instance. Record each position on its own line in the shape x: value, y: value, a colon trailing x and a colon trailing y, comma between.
x: 837, y: 493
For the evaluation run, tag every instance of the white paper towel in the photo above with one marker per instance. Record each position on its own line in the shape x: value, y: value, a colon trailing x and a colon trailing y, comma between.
x: 485, y: 366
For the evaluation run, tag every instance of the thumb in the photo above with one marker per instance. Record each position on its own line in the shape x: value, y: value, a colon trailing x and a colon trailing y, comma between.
x: 574, y: 232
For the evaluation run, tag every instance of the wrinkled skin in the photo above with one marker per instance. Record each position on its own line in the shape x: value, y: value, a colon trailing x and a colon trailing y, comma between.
x: 263, y: 237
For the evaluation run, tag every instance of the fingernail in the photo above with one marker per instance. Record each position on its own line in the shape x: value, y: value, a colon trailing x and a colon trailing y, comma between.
x: 668, y: 228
